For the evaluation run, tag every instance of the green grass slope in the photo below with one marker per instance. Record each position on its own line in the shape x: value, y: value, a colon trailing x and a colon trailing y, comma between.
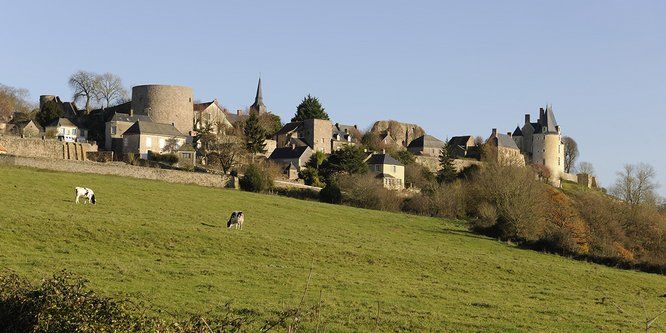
x: 166, y: 245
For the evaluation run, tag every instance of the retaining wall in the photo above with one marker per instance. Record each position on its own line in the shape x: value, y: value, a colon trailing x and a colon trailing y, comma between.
x: 118, y: 169
x: 35, y: 147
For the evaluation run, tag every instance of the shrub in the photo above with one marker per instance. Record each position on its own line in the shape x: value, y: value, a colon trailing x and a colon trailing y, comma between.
x: 517, y: 196
x: 256, y: 179
x: 331, y: 193
x: 366, y: 191
x: 170, y: 159
x: 486, y: 217
x: 310, y: 176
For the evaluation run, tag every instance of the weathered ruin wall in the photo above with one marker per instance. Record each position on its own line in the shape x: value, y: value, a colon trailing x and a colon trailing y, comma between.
x: 117, y: 169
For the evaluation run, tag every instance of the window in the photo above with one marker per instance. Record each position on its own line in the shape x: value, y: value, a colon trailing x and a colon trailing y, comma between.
x: 113, y: 130
x: 149, y: 141
x: 558, y: 161
x: 62, y: 131
x: 162, y: 143
x: 74, y: 131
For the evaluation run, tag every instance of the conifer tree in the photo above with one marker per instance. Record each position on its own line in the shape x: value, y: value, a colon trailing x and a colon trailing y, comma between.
x: 310, y: 108
x: 448, y: 172
x: 254, y: 135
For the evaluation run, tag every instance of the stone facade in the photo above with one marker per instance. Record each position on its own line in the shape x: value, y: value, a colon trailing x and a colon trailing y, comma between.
x: 315, y: 133
x: 165, y: 104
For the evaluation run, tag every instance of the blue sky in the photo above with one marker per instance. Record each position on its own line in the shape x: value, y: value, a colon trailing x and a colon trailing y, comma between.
x: 455, y: 68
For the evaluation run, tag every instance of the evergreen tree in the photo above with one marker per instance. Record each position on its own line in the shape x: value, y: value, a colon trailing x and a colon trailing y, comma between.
x: 310, y: 108
x: 448, y: 172
x: 348, y: 159
x: 51, y: 111
x: 254, y: 135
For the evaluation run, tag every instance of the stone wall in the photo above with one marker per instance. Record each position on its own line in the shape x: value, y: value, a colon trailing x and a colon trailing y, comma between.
x: 432, y: 163
x: 33, y: 147
x: 118, y: 169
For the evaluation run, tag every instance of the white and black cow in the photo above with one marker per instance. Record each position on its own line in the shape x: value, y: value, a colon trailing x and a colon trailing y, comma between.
x: 85, y: 193
x: 237, y: 218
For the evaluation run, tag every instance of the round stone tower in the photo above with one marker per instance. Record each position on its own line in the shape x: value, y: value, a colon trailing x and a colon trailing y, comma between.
x: 553, y: 155
x: 165, y: 104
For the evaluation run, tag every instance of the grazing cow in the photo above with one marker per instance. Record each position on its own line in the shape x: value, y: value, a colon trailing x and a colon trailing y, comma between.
x: 85, y: 193
x: 237, y: 218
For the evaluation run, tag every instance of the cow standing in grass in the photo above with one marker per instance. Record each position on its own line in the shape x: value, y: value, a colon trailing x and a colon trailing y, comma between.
x: 237, y: 218
x: 85, y: 193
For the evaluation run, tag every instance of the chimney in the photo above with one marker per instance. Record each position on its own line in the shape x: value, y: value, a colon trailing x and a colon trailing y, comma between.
x: 356, y: 127
x: 347, y: 130
x: 494, y: 135
x: 508, y: 133
x: 238, y: 112
x: 527, y: 118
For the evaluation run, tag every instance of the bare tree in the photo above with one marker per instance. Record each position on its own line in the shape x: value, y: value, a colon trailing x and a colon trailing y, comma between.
x: 585, y: 167
x: 85, y: 87
x: 636, y: 184
x: 226, y: 152
x: 110, y: 89
x: 13, y: 100
x: 570, y: 153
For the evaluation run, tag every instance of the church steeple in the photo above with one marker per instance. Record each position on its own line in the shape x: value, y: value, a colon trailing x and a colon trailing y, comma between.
x: 258, y: 105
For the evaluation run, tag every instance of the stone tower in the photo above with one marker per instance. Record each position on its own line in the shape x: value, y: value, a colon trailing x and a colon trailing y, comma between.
x: 258, y: 105
x: 541, y: 142
x: 165, y: 104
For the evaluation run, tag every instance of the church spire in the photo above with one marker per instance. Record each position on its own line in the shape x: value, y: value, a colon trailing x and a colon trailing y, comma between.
x: 258, y: 105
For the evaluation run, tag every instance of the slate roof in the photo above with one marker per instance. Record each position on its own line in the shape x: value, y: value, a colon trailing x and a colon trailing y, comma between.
x: 298, y: 142
x: 202, y: 106
x: 147, y: 127
x: 426, y: 141
x: 517, y: 132
x: 288, y: 152
x: 382, y: 159
x: 23, y: 124
x: 61, y: 122
x: 505, y: 141
x: 460, y: 141
x: 289, y: 127
x: 339, y: 129
x: 130, y: 118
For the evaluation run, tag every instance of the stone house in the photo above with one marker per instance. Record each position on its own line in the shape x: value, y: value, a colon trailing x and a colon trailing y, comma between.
x: 388, y: 169
x: 299, y: 156
x: 463, y: 147
x: 66, y: 130
x: 344, y: 135
x: 186, y: 154
x: 292, y: 171
x: 28, y: 129
x: 210, y: 113
x: 504, y: 148
x: 116, y: 127
x: 427, y: 145
x: 315, y: 133
x: 145, y: 136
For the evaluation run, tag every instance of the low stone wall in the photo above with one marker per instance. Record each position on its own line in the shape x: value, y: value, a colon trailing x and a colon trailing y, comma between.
x: 432, y: 163
x: 35, y: 147
x: 118, y: 169
x: 569, y: 177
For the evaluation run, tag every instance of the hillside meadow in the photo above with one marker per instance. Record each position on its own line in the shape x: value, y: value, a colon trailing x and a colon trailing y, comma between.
x: 166, y: 245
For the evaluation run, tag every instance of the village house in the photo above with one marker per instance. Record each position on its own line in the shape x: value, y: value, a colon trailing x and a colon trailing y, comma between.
x: 28, y: 128
x: 504, y: 148
x: 298, y: 155
x: 292, y: 171
x: 65, y: 130
x: 314, y: 133
x: 463, y: 147
x: 344, y: 135
x: 116, y: 127
x: 210, y: 115
x: 426, y: 145
x: 145, y: 136
x: 388, y: 169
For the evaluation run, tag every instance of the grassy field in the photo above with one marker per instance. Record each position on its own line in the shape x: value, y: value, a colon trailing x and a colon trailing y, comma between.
x: 166, y: 245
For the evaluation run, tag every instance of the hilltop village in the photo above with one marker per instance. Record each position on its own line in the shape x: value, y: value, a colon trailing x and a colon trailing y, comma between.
x: 165, y: 119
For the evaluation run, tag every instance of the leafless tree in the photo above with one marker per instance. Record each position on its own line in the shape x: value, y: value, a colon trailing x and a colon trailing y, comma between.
x: 585, y: 167
x: 110, y: 89
x: 85, y: 87
x: 636, y: 184
x: 570, y: 153
x: 479, y: 141
x: 225, y: 152
x: 13, y: 100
